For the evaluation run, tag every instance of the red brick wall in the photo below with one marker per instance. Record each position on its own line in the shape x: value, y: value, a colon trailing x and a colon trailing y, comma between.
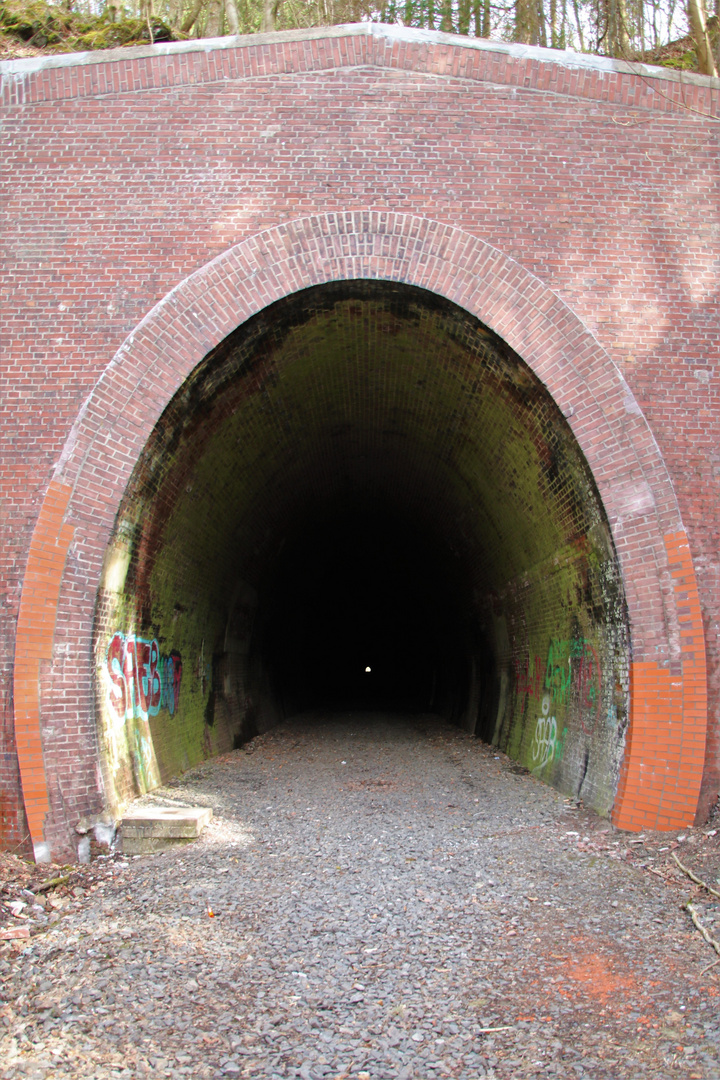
x: 128, y: 173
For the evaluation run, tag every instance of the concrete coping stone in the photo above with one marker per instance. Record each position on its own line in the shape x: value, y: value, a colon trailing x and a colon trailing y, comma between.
x: 165, y: 822
x: 566, y: 58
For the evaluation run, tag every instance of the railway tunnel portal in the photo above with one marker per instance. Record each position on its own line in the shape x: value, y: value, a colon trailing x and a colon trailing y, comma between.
x: 401, y: 359
x: 306, y: 463
x: 362, y: 498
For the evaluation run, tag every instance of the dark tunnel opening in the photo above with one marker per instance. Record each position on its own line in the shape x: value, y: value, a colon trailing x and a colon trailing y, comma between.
x: 362, y: 475
x: 348, y: 626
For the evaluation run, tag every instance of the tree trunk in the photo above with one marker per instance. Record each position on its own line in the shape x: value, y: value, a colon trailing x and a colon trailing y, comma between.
x: 526, y: 22
x: 622, y: 35
x: 213, y: 25
x: 578, y: 23
x: 147, y: 13
x: 696, y: 17
x: 113, y: 9
x: 270, y: 12
x: 192, y: 16
x: 231, y: 17
x: 541, y: 23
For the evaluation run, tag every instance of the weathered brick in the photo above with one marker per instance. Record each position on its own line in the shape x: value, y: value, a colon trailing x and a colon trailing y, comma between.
x: 579, y: 222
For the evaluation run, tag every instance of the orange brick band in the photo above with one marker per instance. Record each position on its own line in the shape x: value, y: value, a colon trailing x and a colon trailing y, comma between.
x: 34, y: 642
x: 665, y: 751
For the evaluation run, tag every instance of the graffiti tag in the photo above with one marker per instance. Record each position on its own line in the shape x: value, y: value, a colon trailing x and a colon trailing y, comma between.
x: 140, y: 680
x: 528, y: 682
x: 144, y: 760
x: 546, y: 746
x: 571, y: 673
x: 574, y: 667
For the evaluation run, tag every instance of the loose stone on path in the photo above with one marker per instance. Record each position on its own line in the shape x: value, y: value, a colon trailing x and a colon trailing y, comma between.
x: 390, y: 899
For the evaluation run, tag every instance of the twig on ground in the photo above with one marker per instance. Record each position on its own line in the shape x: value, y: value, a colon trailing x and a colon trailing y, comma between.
x: 485, y: 1031
x: 710, y: 966
x: 697, y: 880
x: 705, y: 933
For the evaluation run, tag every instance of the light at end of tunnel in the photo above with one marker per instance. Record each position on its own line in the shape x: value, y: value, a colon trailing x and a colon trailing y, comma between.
x: 367, y: 669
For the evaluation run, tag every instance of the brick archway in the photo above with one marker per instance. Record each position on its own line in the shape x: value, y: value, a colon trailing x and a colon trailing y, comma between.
x: 662, y: 770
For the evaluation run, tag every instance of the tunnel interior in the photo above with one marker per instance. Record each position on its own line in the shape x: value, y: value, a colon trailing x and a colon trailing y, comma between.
x: 348, y: 627
x: 362, y: 499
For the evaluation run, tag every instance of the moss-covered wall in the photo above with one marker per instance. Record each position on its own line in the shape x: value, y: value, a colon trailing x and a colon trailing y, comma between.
x: 355, y: 396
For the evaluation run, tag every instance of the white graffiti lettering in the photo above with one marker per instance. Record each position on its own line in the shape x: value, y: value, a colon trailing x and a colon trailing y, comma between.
x: 546, y: 746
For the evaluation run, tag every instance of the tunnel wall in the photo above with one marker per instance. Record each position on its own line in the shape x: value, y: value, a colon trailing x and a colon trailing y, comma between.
x: 569, y: 168
x: 369, y: 417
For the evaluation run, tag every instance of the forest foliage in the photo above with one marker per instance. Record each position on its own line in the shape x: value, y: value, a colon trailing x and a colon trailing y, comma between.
x: 676, y: 33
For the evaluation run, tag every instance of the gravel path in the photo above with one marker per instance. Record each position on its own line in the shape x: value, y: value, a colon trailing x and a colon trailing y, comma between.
x: 391, y: 899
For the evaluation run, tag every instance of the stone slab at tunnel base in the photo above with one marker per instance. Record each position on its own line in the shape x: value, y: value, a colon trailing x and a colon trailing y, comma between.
x: 157, y: 828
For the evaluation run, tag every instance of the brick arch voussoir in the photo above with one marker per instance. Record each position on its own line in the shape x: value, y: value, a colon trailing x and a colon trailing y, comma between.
x: 138, y: 383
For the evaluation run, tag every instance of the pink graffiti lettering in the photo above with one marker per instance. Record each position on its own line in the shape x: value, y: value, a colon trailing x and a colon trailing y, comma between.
x: 139, y: 681
x: 526, y: 682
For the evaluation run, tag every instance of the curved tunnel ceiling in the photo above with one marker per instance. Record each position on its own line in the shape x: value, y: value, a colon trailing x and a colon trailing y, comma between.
x: 362, y: 475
